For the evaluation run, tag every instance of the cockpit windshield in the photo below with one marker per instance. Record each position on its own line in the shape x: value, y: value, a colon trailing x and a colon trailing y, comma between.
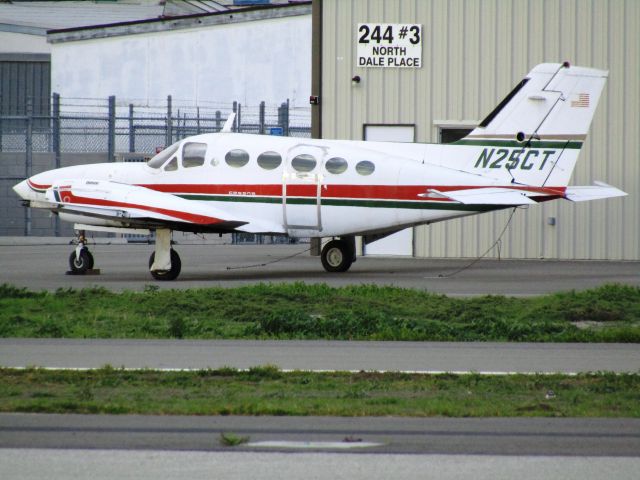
x: 163, y: 156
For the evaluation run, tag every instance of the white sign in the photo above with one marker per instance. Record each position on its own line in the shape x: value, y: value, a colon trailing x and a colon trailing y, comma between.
x: 389, y: 45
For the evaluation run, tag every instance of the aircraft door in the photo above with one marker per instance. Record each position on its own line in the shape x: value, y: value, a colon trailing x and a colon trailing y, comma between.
x: 302, y: 190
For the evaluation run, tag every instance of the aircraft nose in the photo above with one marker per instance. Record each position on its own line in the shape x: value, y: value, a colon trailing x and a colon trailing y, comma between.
x: 23, y: 190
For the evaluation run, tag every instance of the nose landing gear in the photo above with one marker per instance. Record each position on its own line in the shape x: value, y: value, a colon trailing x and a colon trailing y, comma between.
x: 164, y: 263
x: 81, y: 259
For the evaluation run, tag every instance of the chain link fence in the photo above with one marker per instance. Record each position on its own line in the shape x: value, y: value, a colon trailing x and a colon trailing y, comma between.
x: 89, y: 126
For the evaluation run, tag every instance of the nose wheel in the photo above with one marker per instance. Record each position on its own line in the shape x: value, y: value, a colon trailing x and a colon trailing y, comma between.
x: 172, y: 273
x: 81, y: 259
x: 81, y: 262
x: 164, y: 262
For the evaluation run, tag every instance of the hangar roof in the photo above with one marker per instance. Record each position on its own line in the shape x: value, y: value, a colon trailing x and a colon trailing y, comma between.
x: 36, y: 17
x: 152, y: 25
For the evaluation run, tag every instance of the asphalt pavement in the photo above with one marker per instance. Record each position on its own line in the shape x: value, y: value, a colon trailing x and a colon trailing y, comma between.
x: 42, y: 266
x: 593, y: 437
x: 426, y: 357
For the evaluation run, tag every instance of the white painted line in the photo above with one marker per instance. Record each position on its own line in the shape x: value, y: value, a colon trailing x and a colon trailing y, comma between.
x: 312, y: 445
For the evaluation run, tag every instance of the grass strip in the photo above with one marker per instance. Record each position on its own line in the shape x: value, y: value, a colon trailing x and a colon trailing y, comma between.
x: 610, y: 313
x: 269, y: 391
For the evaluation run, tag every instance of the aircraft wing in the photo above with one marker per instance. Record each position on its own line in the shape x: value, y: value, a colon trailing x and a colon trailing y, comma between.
x: 487, y: 196
x: 592, y: 192
x: 136, y: 206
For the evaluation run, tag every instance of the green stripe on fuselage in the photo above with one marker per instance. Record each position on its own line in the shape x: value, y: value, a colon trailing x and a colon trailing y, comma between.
x: 349, y: 202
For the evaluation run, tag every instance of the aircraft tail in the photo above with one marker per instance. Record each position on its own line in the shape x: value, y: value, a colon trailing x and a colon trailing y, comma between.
x: 547, y: 115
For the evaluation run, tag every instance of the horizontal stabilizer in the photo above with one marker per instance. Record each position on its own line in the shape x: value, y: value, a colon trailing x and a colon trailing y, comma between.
x: 592, y: 192
x: 488, y: 196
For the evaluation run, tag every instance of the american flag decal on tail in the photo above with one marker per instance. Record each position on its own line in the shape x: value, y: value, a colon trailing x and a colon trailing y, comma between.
x: 581, y: 101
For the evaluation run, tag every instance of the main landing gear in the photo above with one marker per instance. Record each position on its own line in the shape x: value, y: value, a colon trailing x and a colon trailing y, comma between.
x: 164, y: 263
x: 81, y: 259
x: 338, y: 255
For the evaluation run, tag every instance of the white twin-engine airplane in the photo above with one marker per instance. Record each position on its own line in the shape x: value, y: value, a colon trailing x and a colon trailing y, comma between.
x: 522, y: 153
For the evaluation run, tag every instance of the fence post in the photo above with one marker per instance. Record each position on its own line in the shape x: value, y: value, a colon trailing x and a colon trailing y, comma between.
x: 286, y: 118
x: 198, y: 120
x: 56, y: 128
x: 0, y: 121
x: 218, y: 120
x: 169, y: 134
x: 239, y: 119
x: 132, y: 131
x: 283, y: 117
x: 234, y: 127
x: 262, y: 117
x: 28, y: 139
x: 111, y: 142
x: 56, y: 147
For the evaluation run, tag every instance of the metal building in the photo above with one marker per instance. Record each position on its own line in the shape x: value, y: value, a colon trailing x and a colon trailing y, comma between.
x: 473, y: 52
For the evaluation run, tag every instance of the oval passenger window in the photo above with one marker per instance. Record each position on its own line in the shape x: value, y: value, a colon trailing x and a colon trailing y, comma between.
x: 303, y: 163
x: 236, y: 158
x: 269, y: 160
x: 336, y: 165
x: 365, y: 167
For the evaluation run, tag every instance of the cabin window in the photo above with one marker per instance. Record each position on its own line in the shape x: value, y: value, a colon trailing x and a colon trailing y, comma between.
x: 214, y: 162
x: 193, y: 154
x: 336, y: 165
x: 172, y: 165
x: 365, y: 167
x: 303, y: 163
x: 269, y: 160
x: 236, y: 158
x: 163, y: 156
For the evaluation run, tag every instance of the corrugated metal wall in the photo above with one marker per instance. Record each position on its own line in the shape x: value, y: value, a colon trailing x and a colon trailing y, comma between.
x: 474, y: 52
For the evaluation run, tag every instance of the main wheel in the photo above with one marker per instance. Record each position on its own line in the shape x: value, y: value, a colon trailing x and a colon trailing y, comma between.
x: 337, y: 256
x: 176, y: 266
x: 80, y: 264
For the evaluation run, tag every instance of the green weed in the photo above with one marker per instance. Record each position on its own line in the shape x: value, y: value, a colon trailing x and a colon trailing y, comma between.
x: 232, y: 440
x: 299, y: 311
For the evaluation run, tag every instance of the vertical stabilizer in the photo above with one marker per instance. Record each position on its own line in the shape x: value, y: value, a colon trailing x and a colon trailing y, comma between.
x: 551, y: 108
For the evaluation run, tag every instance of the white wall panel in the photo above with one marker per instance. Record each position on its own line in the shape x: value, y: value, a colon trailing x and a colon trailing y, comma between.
x: 249, y: 62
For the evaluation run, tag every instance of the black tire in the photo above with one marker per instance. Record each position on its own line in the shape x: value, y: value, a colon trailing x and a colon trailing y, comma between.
x: 80, y: 265
x: 89, y: 259
x: 337, y: 256
x: 176, y: 266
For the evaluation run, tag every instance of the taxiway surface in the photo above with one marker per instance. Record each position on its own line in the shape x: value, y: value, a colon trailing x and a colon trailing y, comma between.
x: 150, y: 447
x: 41, y: 266
x: 481, y: 357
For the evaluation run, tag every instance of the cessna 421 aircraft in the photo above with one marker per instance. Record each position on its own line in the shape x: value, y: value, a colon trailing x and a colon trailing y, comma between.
x: 522, y: 153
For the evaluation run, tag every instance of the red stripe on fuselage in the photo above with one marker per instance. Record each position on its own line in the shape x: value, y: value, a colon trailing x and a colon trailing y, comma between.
x: 369, y: 192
